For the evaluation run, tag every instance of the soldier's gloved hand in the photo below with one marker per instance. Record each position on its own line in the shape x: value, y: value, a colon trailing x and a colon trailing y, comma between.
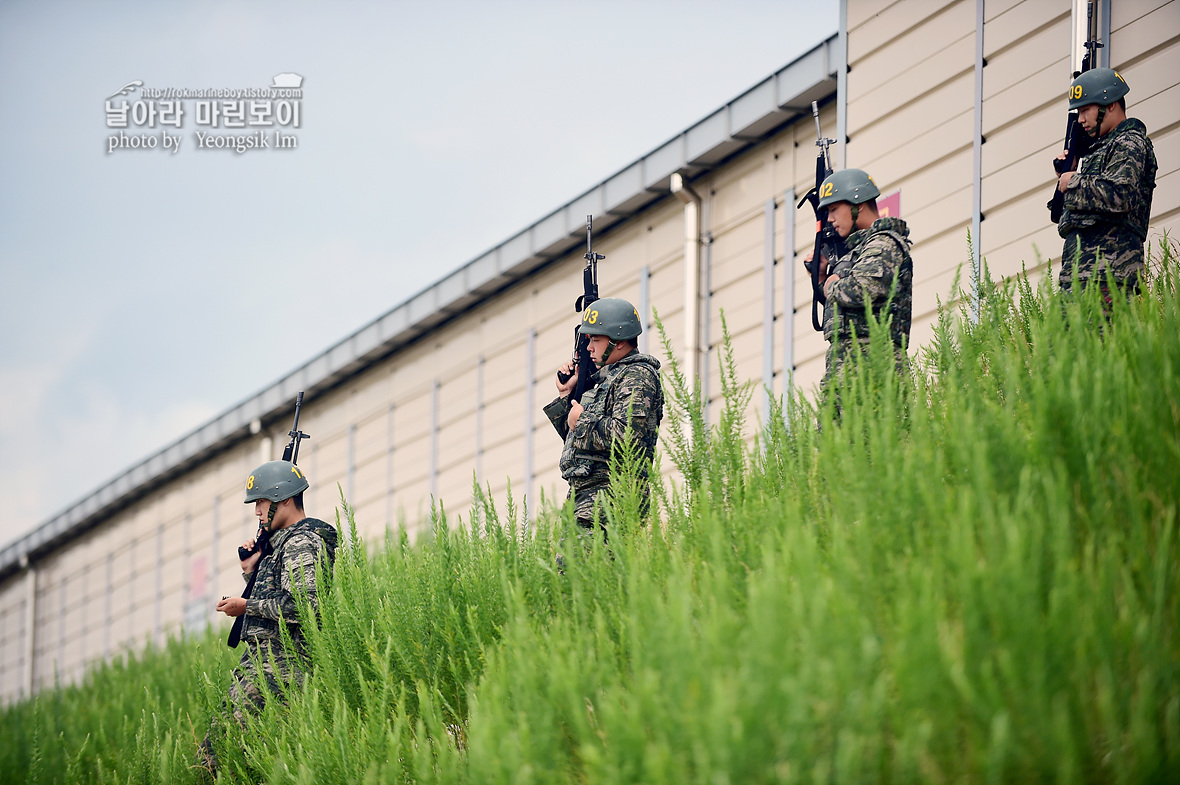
x: 232, y: 606
x: 251, y: 561
x: 571, y: 419
x: 829, y: 283
x: 823, y: 265
x: 565, y: 388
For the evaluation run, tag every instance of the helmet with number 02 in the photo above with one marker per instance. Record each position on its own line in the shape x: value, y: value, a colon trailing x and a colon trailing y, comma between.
x: 275, y: 480
x: 1102, y: 86
x: 613, y: 317
x: 848, y: 185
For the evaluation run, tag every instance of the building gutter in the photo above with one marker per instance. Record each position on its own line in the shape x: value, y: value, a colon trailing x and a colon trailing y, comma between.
x: 692, y: 275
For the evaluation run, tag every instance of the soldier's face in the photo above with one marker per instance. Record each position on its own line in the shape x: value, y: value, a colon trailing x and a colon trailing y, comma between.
x: 597, y: 346
x: 840, y: 217
x: 1088, y: 117
x: 261, y: 508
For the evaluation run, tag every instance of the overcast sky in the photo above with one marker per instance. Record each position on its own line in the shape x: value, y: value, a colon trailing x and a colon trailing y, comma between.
x: 145, y: 292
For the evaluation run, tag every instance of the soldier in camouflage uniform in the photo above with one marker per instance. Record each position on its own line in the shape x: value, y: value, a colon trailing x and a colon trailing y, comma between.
x: 627, y: 398
x: 286, y: 571
x: 1108, y: 198
x: 875, y: 276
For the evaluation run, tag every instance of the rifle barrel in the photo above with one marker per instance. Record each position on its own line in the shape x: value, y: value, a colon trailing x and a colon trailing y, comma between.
x: 298, y: 404
x: 291, y: 451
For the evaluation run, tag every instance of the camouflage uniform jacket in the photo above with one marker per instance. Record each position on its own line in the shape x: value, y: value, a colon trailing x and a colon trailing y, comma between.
x: 284, y: 574
x: 876, y: 257
x: 1108, y: 203
x: 628, y: 393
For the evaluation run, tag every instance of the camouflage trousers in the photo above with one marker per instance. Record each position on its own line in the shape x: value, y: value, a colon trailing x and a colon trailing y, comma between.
x: 840, y: 357
x: 1096, y: 251
x: 265, y: 669
x: 1109, y: 290
x: 589, y: 498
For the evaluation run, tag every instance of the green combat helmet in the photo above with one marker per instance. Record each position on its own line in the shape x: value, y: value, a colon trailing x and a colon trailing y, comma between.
x: 274, y: 480
x: 1102, y: 86
x: 848, y: 185
x: 613, y: 317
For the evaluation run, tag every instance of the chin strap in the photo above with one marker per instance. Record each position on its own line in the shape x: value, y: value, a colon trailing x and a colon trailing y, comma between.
x: 855, y: 213
x: 610, y: 349
x: 270, y: 515
x: 1098, y: 125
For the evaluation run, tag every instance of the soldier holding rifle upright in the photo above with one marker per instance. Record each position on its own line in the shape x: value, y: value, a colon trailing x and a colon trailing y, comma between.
x: 279, y: 567
x: 1107, y: 197
x: 860, y: 264
x: 608, y: 392
x: 874, y: 276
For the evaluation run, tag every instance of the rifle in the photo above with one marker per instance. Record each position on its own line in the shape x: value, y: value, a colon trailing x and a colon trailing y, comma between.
x: 262, y: 541
x: 290, y: 453
x: 828, y: 243
x: 1077, y: 141
x: 589, y: 295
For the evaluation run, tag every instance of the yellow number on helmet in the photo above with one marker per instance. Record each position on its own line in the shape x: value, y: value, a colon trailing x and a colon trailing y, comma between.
x: 1076, y: 91
x: 296, y: 472
x: 250, y: 482
x: 825, y: 191
x: 593, y: 317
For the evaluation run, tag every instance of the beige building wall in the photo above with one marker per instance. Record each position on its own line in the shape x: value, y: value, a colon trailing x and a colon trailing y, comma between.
x: 462, y: 404
x: 132, y: 580
x: 13, y: 629
x: 1145, y: 48
x: 910, y: 108
x: 911, y: 122
x: 464, y: 401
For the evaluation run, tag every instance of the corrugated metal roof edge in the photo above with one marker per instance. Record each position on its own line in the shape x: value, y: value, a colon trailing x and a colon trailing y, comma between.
x: 742, y: 122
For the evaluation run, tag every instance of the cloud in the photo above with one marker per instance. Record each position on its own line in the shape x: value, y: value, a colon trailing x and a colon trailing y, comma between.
x: 51, y: 457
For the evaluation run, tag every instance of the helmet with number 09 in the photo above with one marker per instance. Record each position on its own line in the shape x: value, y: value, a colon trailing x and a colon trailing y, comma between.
x: 1102, y: 86
x: 613, y: 317
x: 275, y: 480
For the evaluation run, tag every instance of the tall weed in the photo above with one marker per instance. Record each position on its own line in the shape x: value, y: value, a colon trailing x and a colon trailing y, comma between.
x: 971, y: 575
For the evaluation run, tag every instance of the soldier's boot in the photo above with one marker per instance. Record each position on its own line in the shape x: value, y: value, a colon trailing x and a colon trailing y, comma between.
x: 206, y: 757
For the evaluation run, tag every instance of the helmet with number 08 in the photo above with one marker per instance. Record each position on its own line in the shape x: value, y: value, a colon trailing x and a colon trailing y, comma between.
x: 613, y: 317
x: 1102, y: 86
x: 275, y: 480
x: 848, y: 185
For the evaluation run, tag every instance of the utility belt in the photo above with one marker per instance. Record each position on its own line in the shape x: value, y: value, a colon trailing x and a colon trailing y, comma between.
x: 1091, y: 224
x: 260, y: 627
x: 587, y: 470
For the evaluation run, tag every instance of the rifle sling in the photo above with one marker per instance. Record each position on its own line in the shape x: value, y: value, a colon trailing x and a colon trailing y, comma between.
x: 235, y: 634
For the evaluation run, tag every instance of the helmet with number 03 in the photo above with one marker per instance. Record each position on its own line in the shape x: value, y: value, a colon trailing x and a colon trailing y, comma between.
x: 615, y: 318
x: 1102, y: 86
x: 848, y: 185
x: 275, y: 480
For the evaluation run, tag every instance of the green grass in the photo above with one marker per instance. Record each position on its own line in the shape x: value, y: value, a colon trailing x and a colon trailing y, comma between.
x: 971, y: 576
